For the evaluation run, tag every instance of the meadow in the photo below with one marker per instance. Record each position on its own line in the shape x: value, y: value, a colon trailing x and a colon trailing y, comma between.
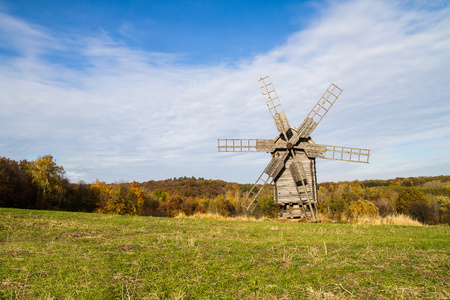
x: 67, y: 255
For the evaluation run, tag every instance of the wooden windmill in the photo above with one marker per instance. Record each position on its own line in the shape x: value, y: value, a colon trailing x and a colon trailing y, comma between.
x: 292, y: 169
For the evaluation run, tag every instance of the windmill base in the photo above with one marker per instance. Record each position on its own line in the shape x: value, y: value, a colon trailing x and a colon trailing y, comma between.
x: 294, y: 211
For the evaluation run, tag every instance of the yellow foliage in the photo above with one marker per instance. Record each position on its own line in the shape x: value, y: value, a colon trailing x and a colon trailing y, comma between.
x: 361, y: 208
x: 113, y: 199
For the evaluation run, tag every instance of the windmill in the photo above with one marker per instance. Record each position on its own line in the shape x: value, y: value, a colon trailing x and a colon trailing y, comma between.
x: 292, y: 169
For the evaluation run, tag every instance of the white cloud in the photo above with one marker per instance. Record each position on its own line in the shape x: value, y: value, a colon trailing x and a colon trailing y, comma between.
x: 130, y: 114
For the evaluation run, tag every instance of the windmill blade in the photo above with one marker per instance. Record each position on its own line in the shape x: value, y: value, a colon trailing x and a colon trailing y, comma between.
x: 299, y: 176
x: 338, y: 153
x: 245, y: 145
x: 274, y: 105
x: 265, y: 179
x: 318, y: 112
x: 312, y: 150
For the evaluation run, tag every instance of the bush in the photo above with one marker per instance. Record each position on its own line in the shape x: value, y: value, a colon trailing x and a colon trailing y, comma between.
x: 384, y: 206
x: 333, y: 207
x: 222, y: 206
x: 173, y: 206
x: 407, y: 197
x: 421, y: 211
x: 267, y: 207
x: 359, y: 209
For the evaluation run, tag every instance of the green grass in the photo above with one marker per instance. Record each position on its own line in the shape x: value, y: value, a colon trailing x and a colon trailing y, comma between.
x: 62, y: 255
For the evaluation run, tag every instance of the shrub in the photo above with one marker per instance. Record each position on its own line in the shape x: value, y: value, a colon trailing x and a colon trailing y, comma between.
x: 173, y: 206
x: 222, y: 206
x: 359, y: 209
x: 407, y: 197
x: 333, y: 207
x: 421, y: 211
x: 267, y: 207
x: 384, y: 206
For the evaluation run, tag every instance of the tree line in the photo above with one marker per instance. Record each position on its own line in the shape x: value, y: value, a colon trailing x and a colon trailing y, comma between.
x: 42, y: 184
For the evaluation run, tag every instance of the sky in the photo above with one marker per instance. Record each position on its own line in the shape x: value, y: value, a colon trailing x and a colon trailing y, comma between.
x: 141, y: 90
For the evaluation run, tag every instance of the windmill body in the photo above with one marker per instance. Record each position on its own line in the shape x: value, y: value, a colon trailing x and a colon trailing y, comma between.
x: 292, y: 169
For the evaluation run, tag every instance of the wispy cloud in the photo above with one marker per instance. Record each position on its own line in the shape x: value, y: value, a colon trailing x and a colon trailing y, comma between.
x: 126, y: 113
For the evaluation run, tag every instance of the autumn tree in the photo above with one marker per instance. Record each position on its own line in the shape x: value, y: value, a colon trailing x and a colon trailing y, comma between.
x: 79, y: 197
x: 444, y: 209
x: 407, y: 197
x: 151, y: 207
x: 50, y: 179
x: 359, y: 209
x: 334, y: 206
x: 140, y: 198
x: 17, y: 188
x: 118, y: 199
x: 222, y: 206
x: 173, y: 206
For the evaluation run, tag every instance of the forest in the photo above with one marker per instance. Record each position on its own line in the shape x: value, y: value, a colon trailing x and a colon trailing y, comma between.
x: 42, y: 184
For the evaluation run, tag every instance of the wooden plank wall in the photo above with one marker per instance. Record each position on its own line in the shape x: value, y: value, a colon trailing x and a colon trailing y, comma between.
x: 286, y: 191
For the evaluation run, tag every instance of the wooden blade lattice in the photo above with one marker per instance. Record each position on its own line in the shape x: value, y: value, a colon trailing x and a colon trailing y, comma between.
x: 265, y: 180
x: 347, y: 154
x: 299, y: 176
x: 318, y: 112
x: 245, y: 145
x: 274, y: 104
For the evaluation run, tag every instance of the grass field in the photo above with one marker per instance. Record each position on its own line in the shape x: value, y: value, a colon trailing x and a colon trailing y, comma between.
x: 62, y: 255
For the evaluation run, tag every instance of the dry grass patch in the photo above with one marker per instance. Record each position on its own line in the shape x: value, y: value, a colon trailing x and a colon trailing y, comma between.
x: 211, y: 216
x: 389, y: 220
x: 399, y: 219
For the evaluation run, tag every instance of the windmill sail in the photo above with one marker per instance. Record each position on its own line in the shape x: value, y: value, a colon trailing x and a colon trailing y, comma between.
x: 350, y: 154
x: 272, y: 170
x: 304, y: 190
x: 245, y: 145
x: 274, y: 104
x: 318, y: 112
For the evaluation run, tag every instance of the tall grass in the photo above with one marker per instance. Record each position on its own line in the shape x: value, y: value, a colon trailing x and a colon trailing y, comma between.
x: 213, y: 216
x: 399, y: 219
x: 389, y: 220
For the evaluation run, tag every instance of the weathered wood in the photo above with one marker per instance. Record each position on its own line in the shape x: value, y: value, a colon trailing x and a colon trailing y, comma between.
x: 274, y: 104
x: 292, y: 169
x: 265, y: 145
x: 318, y: 112
x: 264, y: 180
x: 275, y: 165
x: 347, y: 154
x: 245, y: 145
x: 286, y: 187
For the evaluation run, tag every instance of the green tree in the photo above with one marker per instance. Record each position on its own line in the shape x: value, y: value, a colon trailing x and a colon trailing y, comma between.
x: 407, y: 197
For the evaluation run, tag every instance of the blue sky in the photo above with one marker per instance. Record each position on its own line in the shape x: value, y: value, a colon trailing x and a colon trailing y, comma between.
x: 122, y: 91
x: 195, y: 31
